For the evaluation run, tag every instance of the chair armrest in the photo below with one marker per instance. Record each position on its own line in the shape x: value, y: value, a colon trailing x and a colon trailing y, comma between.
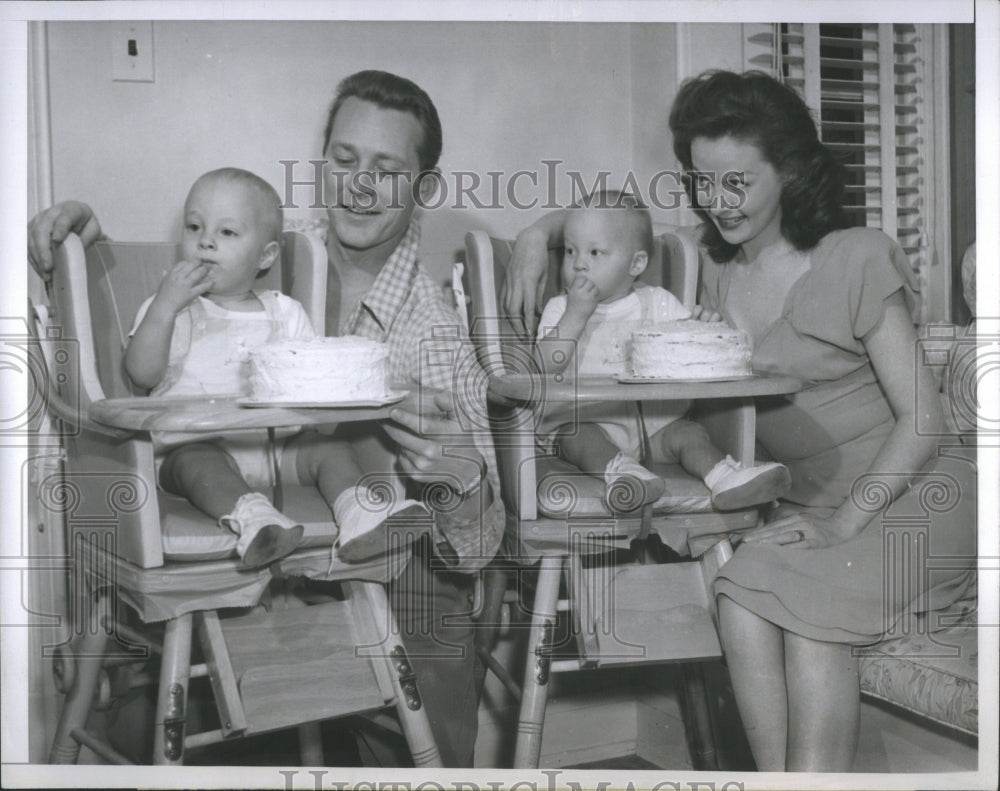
x: 68, y: 413
x: 73, y: 416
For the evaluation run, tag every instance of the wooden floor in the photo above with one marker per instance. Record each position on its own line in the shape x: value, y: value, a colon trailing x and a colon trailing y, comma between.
x: 624, y: 719
x: 642, y: 709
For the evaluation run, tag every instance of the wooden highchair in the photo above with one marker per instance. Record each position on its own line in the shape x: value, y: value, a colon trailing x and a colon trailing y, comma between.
x: 587, y: 570
x: 156, y: 582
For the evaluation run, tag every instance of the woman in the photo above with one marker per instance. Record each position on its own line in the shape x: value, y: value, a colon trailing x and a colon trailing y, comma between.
x: 831, y: 306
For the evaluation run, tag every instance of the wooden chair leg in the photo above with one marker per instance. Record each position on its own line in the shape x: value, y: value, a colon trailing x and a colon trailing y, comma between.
x: 88, y: 660
x: 528, y: 746
x: 171, y: 702
x: 700, y: 717
x: 404, y: 684
x: 310, y: 744
x: 494, y: 582
x: 232, y: 717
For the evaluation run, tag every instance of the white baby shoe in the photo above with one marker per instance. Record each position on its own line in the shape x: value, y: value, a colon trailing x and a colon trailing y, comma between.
x: 735, y: 486
x: 371, y: 526
x: 265, y: 534
x: 629, y: 486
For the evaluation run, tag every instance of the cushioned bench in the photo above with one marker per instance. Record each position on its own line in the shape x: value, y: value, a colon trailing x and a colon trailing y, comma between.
x: 931, y: 672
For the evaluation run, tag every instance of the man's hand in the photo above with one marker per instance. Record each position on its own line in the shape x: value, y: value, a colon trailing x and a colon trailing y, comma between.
x: 524, y: 285
x: 423, y: 428
x: 49, y: 228
x: 185, y: 281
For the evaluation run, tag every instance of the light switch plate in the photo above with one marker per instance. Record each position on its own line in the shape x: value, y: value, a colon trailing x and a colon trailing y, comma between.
x: 132, y: 51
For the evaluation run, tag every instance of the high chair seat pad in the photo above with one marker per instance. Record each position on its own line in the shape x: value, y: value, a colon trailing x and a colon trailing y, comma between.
x: 176, y: 589
x: 190, y: 535
x: 686, y: 523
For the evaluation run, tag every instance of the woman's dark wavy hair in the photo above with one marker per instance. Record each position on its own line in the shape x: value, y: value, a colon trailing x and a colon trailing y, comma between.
x: 758, y: 109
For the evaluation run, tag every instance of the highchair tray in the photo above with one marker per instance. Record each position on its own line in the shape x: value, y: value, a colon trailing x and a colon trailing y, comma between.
x: 218, y: 413
x: 531, y: 387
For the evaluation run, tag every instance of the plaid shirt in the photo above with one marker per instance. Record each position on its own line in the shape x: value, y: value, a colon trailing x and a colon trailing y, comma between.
x: 429, y: 347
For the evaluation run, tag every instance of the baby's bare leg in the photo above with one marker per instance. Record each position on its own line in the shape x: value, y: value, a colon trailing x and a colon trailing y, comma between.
x: 204, y: 474
x: 328, y: 461
x: 586, y: 446
x: 731, y: 484
x: 211, y: 481
x: 687, y: 443
x: 374, y: 451
x: 354, y: 469
x: 628, y: 485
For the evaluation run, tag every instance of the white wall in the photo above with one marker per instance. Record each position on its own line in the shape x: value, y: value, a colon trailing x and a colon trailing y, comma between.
x: 510, y: 95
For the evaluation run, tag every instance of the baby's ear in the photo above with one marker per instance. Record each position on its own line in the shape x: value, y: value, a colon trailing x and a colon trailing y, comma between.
x: 268, y: 256
x: 639, y: 262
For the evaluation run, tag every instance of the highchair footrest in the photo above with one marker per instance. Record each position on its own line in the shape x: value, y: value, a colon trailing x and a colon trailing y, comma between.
x: 299, y: 665
x: 646, y: 613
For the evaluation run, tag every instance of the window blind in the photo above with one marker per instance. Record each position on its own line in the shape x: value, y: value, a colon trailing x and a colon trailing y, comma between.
x: 867, y: 81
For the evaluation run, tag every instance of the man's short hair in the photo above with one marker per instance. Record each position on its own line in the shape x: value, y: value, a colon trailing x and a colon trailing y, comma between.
x: 392, y: 92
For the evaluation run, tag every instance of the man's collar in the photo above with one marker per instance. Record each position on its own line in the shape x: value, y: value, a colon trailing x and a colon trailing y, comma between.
x: 385, y: 298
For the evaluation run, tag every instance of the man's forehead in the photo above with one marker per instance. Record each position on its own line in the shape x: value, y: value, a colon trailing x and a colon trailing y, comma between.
x: 365, y: 126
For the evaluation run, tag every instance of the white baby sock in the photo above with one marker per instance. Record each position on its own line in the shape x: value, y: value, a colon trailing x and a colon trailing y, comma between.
x: 735, y: 486
x: 359, y: 514
x: 252, y: 512
x: 622, y: 494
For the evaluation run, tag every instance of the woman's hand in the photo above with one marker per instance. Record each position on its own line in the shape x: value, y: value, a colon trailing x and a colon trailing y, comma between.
x: 699, y: 313
x: 524, y: 285
x: 422, y: 427
x: 49, y: 229
x: 798, y: 531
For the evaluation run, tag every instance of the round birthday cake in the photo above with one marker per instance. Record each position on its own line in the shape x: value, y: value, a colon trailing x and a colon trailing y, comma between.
x: 320, y: 370
x: 688, y: 349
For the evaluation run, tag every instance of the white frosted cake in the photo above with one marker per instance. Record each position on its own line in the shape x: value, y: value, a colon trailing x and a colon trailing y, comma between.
x: 688, y: 349
x: 320, y: 370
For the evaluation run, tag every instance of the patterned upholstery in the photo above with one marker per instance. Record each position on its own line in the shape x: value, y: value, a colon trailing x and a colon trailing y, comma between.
x: 931, y: 672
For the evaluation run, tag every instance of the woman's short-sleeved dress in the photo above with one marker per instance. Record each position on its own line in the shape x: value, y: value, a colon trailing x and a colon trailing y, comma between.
x: 917, y: 553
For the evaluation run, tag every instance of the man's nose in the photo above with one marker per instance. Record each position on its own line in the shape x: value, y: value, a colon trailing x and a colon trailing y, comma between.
x: 360, y: 181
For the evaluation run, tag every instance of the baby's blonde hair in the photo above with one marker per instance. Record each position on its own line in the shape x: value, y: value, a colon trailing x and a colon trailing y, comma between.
x: 631, y: 207
x: 265, y: 196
